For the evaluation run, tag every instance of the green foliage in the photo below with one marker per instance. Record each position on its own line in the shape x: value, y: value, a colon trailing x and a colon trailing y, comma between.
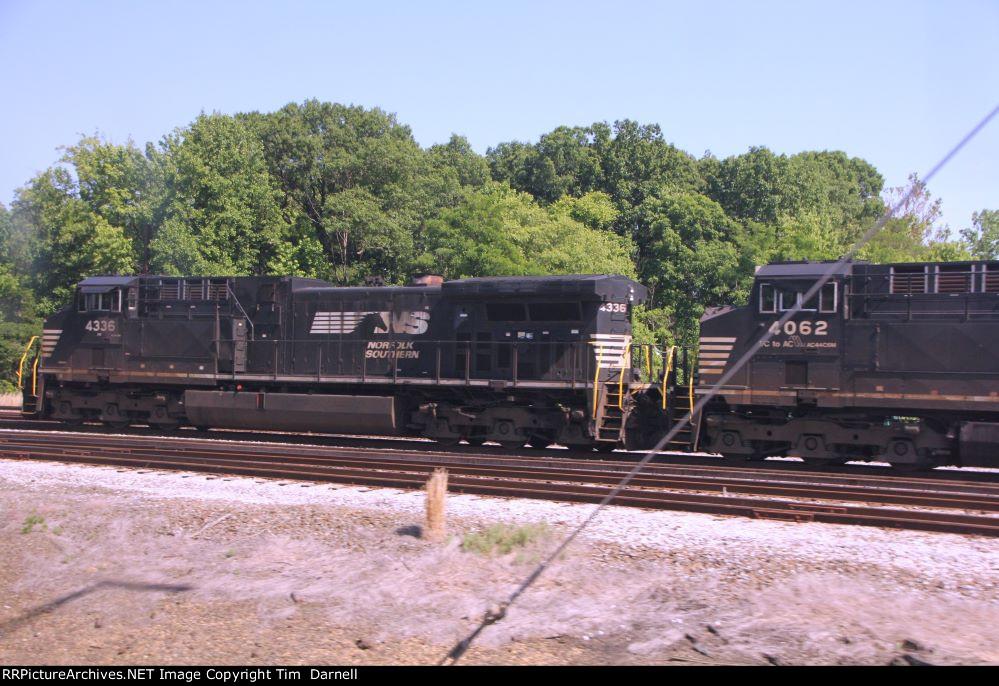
x: 498, y: 231
x: 595, y: 209
x: 983, y: 237
x: 457, y: 158
x: 222, y: 214
x: 341, y: 192
x: 31, y: 521
x: 354, y: 180
x: 691, y: 255
x: 624, y: 162
x: 123, y: 186
x: 912, y: 234
x: 62, y: 239
x: 502, y: 539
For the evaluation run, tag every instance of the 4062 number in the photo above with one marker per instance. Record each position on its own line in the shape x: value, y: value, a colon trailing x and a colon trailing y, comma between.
x: 805, y: 327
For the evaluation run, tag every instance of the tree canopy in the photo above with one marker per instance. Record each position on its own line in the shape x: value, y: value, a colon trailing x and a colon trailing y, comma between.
x: 342, y: 192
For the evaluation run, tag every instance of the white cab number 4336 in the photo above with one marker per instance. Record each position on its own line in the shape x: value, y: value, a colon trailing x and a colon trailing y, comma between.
x: 101, y: 325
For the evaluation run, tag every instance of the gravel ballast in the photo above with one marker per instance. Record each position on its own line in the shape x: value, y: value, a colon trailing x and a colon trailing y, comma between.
x: 128, y: 566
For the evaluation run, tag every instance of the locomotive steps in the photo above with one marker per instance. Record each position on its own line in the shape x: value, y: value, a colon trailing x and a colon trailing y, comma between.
x: 920, y: 504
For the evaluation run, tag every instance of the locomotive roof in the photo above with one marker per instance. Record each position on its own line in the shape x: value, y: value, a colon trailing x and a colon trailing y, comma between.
x: 595, y: 286
x: 582, y: 285
x: 579, y: 286
x: 802, y: 269
x: 103, y: 284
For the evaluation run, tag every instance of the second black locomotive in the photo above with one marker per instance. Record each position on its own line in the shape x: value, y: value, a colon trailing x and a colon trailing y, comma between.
x: 890, y: 362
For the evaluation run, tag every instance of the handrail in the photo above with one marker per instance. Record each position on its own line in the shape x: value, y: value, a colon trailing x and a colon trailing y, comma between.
x: 20, y: 366
x: 620, y: 384
x: 34, y: 377
x: 239, y: 306
x: 669, y: 368
x: 690, y: 385
x: 596, y: 377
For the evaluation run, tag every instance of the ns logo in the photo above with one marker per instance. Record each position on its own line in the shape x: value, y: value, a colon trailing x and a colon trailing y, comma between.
x: 413, y: 322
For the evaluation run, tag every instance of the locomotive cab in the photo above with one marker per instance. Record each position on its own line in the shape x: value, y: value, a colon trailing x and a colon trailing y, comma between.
x: 800, y: 354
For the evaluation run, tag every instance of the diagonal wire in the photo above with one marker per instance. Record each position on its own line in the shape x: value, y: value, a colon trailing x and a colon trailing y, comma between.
x: 494, y: 616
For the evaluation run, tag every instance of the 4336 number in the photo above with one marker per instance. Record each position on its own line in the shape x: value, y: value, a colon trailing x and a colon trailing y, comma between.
x: 101, y: 325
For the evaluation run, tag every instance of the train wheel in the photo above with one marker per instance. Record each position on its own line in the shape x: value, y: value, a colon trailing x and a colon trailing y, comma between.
x: 475, y: 441
x: 605, y: 447
x: 512, y: 445
x: 117, y: 424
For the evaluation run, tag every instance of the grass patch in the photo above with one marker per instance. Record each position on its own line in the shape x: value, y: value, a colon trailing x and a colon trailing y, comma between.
x: 502, y: 539
x: 31, y: 521
x: 230, y: 552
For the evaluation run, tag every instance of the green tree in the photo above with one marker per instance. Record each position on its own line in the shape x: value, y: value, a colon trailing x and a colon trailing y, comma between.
x: 122, y: 185
x: 222, y: 214
x: 353, y: 180
x: 62, y: 239
x: 913, y: 233
x: 691, y: 255
x: 18, y: 320
x: 626, y: 161
x: 472, y: 240
x: 595, y: 210
x: 982, y: 238
x: 457, y: 156
x: 498, y: 231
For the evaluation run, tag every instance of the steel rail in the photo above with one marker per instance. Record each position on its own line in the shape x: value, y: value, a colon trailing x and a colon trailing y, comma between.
x: 546, y: 484
x: 421, y: 463
x: 947, y: 480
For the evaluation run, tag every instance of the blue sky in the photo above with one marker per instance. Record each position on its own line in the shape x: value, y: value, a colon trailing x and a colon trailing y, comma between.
x: 896, y: 83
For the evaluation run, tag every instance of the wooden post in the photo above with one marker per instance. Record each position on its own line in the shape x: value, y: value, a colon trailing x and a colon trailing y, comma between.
x: 436, y: 530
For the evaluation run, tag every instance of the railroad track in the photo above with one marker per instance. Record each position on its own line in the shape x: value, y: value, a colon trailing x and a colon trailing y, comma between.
x: 922, y: 504
x: 863, y: 473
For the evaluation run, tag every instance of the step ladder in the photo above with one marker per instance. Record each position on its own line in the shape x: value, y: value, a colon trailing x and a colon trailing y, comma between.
x: 684, y: 440
x: 29, y: 387
x: 610, y: 415
x: 679, y: 400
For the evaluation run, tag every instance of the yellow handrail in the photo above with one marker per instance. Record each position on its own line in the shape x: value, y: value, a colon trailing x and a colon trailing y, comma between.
x: 669, y: 368
x: 20, y: 366
x: 34, y: 376
x: 626, y: 358
x: 596, y: 377
x: 648, y: 362
x: 690, y: 373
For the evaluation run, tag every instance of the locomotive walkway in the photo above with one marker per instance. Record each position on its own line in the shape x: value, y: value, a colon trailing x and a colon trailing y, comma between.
x: 942, y: 505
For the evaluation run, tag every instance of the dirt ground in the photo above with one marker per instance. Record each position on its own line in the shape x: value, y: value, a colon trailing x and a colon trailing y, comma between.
x: 98, y: 570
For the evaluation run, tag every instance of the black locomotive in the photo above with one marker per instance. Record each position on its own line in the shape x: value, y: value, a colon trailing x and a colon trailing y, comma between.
x: 887, y: 362
x: 513, y: 360
x: 894, y: 362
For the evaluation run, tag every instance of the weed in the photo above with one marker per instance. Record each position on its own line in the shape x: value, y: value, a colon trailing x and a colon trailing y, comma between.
x: 502, y: 538
x: 230, y: 552
x: 31, y: 521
